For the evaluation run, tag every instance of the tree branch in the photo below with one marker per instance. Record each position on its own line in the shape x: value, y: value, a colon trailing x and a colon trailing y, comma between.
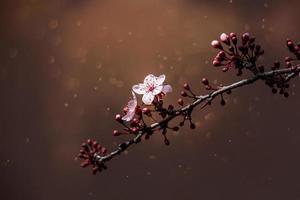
x: 289, y: 72
x: 230, y: 57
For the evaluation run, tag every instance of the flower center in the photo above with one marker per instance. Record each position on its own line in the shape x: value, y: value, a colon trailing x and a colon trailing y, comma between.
x: 151, y: 88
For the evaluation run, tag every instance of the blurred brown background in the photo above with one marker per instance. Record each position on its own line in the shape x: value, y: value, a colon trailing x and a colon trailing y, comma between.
x: 67, y: 66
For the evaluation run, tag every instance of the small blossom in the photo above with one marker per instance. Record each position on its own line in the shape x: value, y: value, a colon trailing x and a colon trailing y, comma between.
x: 131, y: 108
x: 151, y: 87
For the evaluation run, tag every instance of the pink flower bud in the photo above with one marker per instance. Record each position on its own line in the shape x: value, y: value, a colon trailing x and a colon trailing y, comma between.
x: 233, y: 38
x: 225, y: 69
x: 205, y: 81
x: 221, y: 54
x: 95, y: 169
x: 125, y: 109
x: 95, y: 144
x: 118, y: 118
x: 216, y: 44
x: 85, y: 163
x: 134, y: 130
x: 290, y: 45
x: 116, y: 133
x: 208, y: 87
x: 225, y: 38
x: 89, y: 141
x: 146, y: 111
x: 232, y: 35
x: 103, y: 150
x: 183, y: 93
x: 216, y: 63
x: 186, y: 86
x: 245, y: 38
x: 135, y: 121
x: 180, y: 102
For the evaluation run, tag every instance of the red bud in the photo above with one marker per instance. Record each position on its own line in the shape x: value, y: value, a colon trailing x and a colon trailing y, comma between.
x: 116, y: 133
x: 118, y: 118
x: 245, y: 38
x: 205, y: 81
x: 146, y: 111
x: 186, y: 86
x: 183, y: 93
x: 216, y: 63
x: 180, y: 102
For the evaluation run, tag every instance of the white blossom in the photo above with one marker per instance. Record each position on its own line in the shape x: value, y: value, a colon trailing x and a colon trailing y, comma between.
x: 152, y: 86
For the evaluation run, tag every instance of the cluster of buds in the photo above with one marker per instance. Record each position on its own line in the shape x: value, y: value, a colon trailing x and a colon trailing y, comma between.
x: 295, y: 49
x: 237, y: 56
x: 279, y: 82
x: 88, y: 152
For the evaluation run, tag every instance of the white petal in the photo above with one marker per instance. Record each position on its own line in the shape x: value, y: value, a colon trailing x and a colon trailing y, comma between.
x: 150, y: 80
x: 128, y: 116
x: 167, y: 88
x: 148, y: 98
x: 157, y: 90
x: 160, y: 79
x: 139, y: 89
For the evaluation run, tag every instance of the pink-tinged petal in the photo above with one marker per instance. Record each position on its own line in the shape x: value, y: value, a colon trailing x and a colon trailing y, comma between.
x: 160, y: 80
x: 133, y: 95
x: 166, y: 89
x: 157, y: 90
x: 148, y: 98
x: 150, y: 80
x: 131, y: 108
x: 132, y: 103
x: 128, y: 116
x: 139, y: 89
